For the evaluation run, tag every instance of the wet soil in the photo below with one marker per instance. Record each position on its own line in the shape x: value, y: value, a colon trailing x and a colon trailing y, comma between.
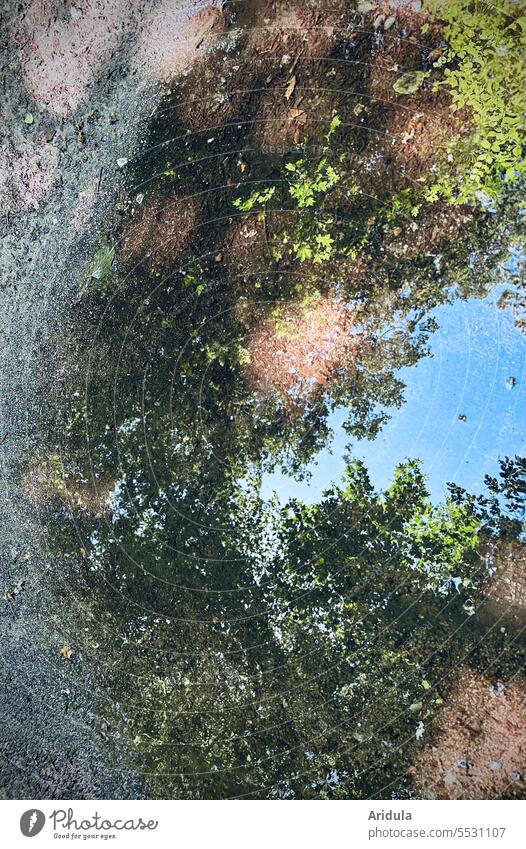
x: 74, y: 101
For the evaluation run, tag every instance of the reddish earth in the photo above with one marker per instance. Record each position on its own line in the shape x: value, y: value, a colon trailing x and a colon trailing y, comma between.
x: 171, y: 42
x: 26, y: 170
x: 297, y: 350
x: 507, y: 587
x: 160, y: 228
x: 63, y: 50
x: 480, y: 752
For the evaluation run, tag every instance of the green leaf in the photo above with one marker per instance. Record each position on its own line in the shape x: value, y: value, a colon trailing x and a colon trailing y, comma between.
x: 102, y: 263
x: 410, y: 82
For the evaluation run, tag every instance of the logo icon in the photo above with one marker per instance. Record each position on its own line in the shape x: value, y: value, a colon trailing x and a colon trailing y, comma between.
x: 32, y: 822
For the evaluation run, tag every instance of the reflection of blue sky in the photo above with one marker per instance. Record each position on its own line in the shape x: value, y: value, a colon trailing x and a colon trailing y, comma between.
x: 475, y: 350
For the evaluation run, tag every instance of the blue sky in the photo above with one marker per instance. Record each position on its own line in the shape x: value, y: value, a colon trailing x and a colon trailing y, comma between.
x: 475, y: 350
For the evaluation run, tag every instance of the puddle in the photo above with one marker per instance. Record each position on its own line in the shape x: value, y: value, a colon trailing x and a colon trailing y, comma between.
x: 464, y: 409
x: 285, y: 300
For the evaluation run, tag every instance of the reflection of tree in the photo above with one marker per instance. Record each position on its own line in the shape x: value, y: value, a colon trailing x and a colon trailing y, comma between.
x: 308, y: 655
x: 502, y: 511
x: 298, y: 652
x: 292, y: 652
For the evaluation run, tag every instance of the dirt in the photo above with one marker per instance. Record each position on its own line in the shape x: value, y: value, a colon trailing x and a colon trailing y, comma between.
x: 297, y: 350
x: 507, y: 586
x: 480, y: 751
x: 74, y: 102
x: 169, y: 44
x: 64, y: 47
x: 159, y: 230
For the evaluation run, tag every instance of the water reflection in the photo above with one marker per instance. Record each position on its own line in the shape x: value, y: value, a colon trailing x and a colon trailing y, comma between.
x: 461, y: 412
x: 253, y: 297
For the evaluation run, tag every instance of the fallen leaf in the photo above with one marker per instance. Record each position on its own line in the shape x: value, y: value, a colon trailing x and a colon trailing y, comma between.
x: 66, y: 652
x: 14, y: 590
x: 410, y: 82
x: 102, y: 263
x: 435, y: 54
x: 290, y: 87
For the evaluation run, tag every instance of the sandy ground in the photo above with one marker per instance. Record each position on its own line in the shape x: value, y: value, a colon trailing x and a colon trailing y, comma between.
x: 79, y: 80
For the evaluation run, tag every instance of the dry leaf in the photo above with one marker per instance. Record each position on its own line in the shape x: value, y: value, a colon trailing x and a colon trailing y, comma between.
x: 290, y: 87
x: 66, y: 652
x: 14, y: 590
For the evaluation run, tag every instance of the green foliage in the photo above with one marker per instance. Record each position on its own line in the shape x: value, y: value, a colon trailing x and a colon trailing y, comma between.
x: 410, y: 82
x: 501, y: 513
x: 256, y: 199
x: 308, y: 182
x: 485, y: 73
x: 402, y: 205
x: 258, y: 650
x: 102, y: 263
